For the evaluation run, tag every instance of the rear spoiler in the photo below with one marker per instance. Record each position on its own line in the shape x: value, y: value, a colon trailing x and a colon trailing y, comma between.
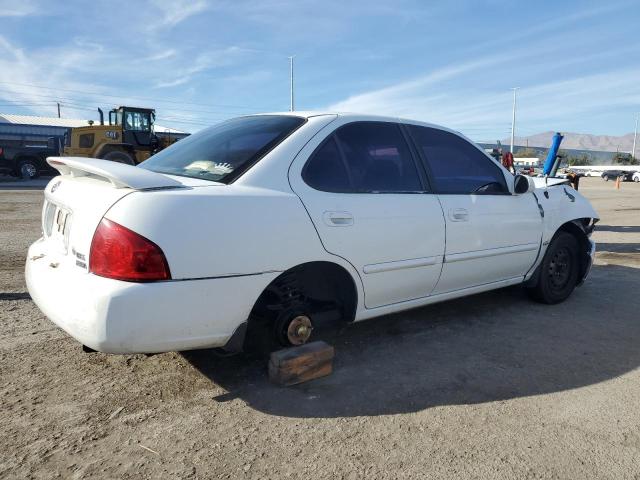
x: 120, y: 175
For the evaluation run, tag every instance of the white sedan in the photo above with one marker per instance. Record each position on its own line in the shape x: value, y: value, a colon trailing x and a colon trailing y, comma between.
x: 263, y: 228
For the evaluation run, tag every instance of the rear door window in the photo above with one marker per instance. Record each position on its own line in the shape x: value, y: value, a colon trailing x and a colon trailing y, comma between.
x: 457, y: 166
x: 364, y: 157
x: 326, y: 170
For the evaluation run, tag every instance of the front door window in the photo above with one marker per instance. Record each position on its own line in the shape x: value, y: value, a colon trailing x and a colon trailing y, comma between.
x: 457, y: 166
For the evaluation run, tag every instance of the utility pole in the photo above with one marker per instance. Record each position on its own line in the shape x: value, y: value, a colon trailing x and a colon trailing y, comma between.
x: 291, y: 104
x: 513, y: 118
x: 58, y: 110
x: 635, y: 135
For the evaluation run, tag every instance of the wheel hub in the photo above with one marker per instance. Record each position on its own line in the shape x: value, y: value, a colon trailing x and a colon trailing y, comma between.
x: 28, y: 170
x: 299, y: 330
x: 560, y: 268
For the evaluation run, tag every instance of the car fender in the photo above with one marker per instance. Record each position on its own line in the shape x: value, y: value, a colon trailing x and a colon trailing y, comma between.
x: 560, y: 204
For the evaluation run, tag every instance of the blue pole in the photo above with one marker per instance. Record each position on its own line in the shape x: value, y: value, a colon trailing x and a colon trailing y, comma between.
x: 552, y: 155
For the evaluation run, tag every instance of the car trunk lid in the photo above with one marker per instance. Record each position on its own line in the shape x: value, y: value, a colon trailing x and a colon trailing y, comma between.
x: 77, y: 200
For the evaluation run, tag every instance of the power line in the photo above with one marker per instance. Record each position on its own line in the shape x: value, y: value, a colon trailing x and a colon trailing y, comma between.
x: 86, y: 108
x: 155, y: 100
x: 168, y: 119
x: 55, y: 98
x: 78, y: 106
x: 91, y: 108
x: 48, y: 104
x: 186, y: 122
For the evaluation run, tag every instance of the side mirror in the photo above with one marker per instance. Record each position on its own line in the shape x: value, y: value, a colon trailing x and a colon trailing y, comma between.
x: 523, y: 184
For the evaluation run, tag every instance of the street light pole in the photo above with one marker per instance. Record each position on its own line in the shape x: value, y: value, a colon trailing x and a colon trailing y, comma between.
x: 513, y: 118
x: 635, y: 135
x: 291, y: 104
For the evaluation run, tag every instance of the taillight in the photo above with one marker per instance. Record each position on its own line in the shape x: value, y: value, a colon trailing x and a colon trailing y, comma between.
x: 1, y: 150
x: 121, y: 254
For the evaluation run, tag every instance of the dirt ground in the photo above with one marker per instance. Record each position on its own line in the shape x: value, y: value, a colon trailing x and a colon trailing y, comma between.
x: 491, y: 386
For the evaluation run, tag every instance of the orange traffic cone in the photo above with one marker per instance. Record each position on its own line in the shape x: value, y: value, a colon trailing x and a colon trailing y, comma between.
x: 617, y: 183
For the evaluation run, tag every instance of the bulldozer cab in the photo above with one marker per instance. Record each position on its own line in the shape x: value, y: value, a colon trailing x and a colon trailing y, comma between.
x: 136, y: 124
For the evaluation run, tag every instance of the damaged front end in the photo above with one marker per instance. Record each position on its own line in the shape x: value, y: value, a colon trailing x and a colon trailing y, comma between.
x: 587, y: 225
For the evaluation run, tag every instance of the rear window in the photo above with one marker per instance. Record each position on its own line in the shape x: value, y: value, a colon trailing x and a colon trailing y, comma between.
x: 223, y: 152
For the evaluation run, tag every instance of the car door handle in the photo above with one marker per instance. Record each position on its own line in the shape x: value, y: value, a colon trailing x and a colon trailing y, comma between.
x: 459, y: 214
x: 338, y: 219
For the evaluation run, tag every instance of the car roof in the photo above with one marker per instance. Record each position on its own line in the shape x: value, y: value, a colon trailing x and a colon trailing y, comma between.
x: 360, y: 117
x: 363, y: 117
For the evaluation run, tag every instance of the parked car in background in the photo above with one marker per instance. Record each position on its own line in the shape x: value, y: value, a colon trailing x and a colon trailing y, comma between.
x: 267, y: 228
x: 27, y: 161
x: 624, y: 176
x: 636, y: 177
x: 530, y: 171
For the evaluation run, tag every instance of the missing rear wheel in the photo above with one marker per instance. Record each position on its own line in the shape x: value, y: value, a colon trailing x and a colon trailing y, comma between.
x: 294, y: 331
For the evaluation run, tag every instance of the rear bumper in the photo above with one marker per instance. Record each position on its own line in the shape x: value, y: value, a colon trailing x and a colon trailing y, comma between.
x: 121, y: 317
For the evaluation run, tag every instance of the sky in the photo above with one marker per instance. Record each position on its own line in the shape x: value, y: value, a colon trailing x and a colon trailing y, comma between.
x: 198, y: 62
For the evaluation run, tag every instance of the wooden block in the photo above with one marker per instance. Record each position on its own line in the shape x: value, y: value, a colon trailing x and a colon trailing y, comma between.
x: 301, y: 364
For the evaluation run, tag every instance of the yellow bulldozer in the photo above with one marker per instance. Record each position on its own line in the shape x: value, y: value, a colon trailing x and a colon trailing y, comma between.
x: 128, y: 138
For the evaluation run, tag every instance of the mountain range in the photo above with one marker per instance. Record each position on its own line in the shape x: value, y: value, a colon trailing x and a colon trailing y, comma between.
x: 579, y: 141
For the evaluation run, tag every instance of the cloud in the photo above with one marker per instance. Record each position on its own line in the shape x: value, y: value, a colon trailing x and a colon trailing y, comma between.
x: 176, y: 11
x: 12, y: 8
x: 399, y: 99
x: 169, y: 53
x: 345, y: 51
x: 11, y: 50
x: 204, y: 61
x: 20, y: 71
x: 83, y: 76
x: 483, y: 115
x: 567, y: 81
x: 173, y: 83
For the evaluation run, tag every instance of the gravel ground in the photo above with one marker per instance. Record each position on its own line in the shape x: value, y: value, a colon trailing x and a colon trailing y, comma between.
x: 491, y: 386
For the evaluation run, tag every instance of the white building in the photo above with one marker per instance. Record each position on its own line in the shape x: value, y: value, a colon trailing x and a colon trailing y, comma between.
x: 526, y: 162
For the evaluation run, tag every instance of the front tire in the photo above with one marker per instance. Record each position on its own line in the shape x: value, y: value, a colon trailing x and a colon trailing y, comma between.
x: 558, y: 271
